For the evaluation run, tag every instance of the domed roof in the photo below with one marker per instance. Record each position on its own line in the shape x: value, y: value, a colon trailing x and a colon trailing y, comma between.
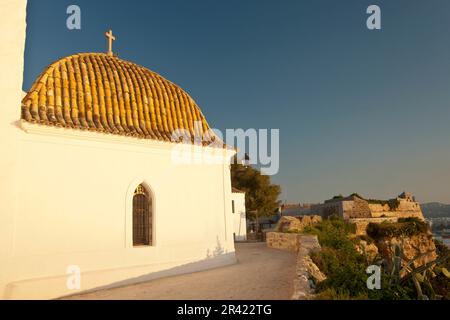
x: 99, y: 92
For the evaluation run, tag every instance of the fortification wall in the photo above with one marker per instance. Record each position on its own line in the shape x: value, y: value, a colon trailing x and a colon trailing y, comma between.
x: 405, y: 205
x: 327, y: 209
x: 362, y: 223
x: 357, y: 208
x: 405, y: 209
x: 379, y: 208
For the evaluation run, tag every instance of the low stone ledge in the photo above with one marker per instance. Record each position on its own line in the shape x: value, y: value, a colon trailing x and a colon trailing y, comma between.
x: 306, y: 270
x: 283, y: 241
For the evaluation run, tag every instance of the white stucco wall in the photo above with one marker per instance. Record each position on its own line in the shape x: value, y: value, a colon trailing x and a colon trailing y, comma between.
x: 65, y: 199
x: 74, y: 207
x: 12, y: 43
x: 239, y: 216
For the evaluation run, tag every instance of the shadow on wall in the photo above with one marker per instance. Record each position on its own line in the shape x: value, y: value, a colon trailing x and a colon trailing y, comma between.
x: 218, y: 250
x: 213, y: 260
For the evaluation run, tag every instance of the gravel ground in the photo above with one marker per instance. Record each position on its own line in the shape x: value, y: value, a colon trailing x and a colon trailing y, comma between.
x: 261, y: 273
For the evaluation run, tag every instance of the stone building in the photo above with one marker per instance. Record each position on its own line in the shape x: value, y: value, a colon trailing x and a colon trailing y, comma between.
x: 356, y: 207
x: 361, y: 212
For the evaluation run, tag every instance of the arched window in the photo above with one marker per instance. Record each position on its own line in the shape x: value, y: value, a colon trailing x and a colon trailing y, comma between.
x: 142, y: 217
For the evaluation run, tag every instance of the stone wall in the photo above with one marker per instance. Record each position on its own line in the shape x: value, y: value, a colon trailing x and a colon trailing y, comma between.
x: 327, y: 209
x: 362, y: 223
x: 283, y: 241
x: 405, y: 209
x: 348, y: 208
x: 307, y: 273
x: 358, y: 208
x: 377, y: 207
x: 353, y: 207
x: 407, y: 205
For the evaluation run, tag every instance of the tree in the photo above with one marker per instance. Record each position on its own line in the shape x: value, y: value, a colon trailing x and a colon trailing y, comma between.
x: 261, y: 195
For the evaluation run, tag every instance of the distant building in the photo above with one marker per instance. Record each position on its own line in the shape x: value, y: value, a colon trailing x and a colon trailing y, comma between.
x: 297, y: 209
x: 361, y: 212
x: 265, y: 223
x: 355, y: 206
x: 239, y: 215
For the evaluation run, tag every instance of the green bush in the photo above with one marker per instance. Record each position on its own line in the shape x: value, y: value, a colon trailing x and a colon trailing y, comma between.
x: 403, y: 228
x: 442, y: 250
x: 337, y: 294
x: 441, y: 283
x: 333, y: 232
x: 365, y: 238
x: 339, y: 260
x: 393, y: 291
x: 345, y: 272
x: 345, y: 267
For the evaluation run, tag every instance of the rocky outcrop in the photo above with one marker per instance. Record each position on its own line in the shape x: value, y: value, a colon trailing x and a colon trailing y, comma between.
x: 370, y: 250
x: 313, y: 270
x: 419, y: 247
x: 296, y: 224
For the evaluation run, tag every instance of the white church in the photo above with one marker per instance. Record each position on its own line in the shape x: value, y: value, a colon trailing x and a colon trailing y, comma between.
x: 90, y: 196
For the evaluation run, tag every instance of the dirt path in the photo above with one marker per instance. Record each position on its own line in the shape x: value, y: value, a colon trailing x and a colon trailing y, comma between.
x: 261, y: 273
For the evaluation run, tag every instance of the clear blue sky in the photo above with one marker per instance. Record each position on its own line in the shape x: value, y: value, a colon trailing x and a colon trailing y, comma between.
x: 358, y: 110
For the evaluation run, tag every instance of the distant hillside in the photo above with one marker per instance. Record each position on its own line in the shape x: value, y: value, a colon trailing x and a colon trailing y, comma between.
x: 435, y: 210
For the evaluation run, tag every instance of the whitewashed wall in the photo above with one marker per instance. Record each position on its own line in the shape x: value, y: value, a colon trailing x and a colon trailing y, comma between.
x: 12, y: 43
x: 74, y: 207
x: 65, y: 199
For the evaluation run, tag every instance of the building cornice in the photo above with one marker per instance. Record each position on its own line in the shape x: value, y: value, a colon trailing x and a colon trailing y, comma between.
x: 117, y: 140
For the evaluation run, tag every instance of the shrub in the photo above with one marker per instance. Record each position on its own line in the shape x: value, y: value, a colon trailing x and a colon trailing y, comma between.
x: 339, y: 259
x: 333, y: 232
x: 345, y: 271
x: 345, y: 267
x: 365, y: 238
x: 393, y: 291
x: 404, y: 227
x: 337, y: 294
x: 441, y: 283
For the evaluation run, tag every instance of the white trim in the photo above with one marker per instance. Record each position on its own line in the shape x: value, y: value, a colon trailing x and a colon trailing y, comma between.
x: 117, y: 140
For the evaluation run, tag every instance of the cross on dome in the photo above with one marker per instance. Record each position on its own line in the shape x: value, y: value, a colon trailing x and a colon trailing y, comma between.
x: 109, y: 35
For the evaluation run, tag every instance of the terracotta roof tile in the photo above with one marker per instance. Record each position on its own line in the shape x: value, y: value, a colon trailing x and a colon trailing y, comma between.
x: 97, y: 92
